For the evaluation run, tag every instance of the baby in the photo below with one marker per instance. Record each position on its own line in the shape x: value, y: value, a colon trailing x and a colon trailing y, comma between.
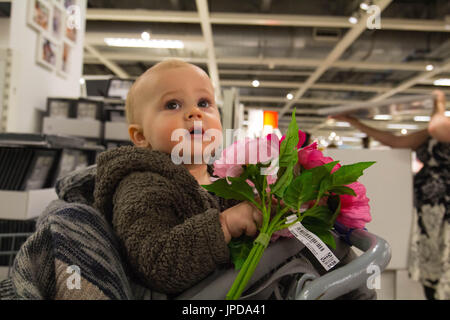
x: 173, y: 233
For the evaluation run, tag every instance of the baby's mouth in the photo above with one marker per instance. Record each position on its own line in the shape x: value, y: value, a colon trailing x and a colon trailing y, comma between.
x: 197, y: 132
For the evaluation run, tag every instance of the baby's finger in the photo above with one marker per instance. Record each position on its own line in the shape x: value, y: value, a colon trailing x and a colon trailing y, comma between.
x: 251, y: 229
x: 257, y: 218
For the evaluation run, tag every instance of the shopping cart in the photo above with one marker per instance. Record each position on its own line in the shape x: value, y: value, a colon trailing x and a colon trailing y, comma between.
x: 13, y: 233
x: 304, y: 282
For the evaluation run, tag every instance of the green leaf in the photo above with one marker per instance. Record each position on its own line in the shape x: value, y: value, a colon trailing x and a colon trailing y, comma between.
x: 238, y: 189
x: 321, y: 213
x: 334, y: 204
x: 288, y: 148
x: 299, y: 191
x: 239, y: 250
x: 342, y: 190
x: 349, y: 173
x: 320, y: 230
x: 283, y: 182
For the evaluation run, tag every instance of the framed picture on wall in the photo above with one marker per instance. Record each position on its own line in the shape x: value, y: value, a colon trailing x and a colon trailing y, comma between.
x: 72, y: 20
x: 40, y: 15
x: 47, y: 52
x: 58, y: 19
x: 64, y: 59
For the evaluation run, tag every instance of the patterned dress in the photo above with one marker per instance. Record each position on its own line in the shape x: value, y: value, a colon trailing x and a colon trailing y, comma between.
x: 430, y: 248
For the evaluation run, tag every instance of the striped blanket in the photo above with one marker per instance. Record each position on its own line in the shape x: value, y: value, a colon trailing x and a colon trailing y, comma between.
x: 73, y: 252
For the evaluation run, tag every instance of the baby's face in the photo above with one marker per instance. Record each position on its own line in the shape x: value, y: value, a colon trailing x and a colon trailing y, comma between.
x: 173, y: 99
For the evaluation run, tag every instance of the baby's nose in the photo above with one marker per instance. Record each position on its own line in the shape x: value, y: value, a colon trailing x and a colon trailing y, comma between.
x: 194, y: 113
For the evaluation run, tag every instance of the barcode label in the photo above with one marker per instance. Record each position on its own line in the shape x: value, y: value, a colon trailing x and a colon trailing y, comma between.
x: 326, y: 258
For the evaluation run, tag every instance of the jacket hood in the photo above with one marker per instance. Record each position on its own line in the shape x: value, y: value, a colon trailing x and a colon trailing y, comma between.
x: 114, y: 165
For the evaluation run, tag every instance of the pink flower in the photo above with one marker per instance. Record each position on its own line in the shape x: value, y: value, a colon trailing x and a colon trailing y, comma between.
x: 301, y: 139
x: 248, y: 151
x: 355, y: 211
x: 309, y: 157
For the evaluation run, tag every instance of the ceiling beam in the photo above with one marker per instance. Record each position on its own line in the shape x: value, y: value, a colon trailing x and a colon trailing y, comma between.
x: 285, y: 20
x: 310, y: 63
x: 111, y: 65
x: 326, y: 86
x: 265, y: 72
x: 203, y: 13
x: 335, y: 54
x: 298, y: 101
x: 415, y: 80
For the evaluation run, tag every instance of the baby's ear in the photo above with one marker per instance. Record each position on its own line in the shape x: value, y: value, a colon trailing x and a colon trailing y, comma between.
x: 137, y: 136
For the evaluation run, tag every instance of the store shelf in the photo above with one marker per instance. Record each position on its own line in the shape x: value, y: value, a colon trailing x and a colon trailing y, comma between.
x: 73, y: 127
x: 117, y: 131
x: 25, y: 205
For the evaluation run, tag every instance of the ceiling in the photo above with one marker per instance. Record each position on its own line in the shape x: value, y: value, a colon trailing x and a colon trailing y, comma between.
x: 306, y: 48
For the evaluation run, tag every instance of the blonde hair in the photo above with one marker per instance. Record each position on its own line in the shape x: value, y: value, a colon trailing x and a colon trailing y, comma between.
x: 130, y: 104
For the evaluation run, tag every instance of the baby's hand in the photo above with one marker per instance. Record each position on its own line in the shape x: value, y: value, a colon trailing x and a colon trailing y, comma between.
x: 243, y: 218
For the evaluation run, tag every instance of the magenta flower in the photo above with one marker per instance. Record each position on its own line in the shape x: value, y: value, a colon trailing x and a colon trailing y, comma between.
x: 355, y: 211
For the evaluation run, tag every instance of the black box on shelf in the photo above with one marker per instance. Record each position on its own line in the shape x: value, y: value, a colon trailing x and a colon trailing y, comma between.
x: 36, y: 161
x: 89, y: 109
x: 61, y: 107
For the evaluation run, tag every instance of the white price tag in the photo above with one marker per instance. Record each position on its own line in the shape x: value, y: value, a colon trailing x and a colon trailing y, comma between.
x: 319, y: 249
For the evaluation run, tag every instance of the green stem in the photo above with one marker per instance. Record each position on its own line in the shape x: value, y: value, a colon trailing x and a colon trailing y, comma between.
x: 232, y: 292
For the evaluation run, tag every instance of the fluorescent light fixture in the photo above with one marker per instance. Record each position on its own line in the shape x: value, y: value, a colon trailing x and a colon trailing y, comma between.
x: 429, y: 67
x: 353, y: 20
x: 442, y: 82
x: 342, y: 124
x: 360, y: 135
x: 290, y: 96
x: 422, y: 118
x: 139, y: 43
x: 402, y: 126
x: 382, y: 117
x: 350, y: 139
x: 255, y: 83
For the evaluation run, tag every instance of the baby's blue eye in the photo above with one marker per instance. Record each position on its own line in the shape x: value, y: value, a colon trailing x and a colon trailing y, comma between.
x: 203, y: 103
x: 172, y: 105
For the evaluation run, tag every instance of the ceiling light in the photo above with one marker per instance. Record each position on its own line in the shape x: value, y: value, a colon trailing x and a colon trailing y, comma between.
x: 255, y: 83
x: 442, y: 82
x: 82, y: 81
x: 139, y: 43
x: 332, y: 135
x: 382, y: 117
x: 364, y: 6
x: 421, y: 118
x: 353, y: 20
x: 145, y: 36
x: 290, y: 96
x: 404, y: 131
x: 429, y: 67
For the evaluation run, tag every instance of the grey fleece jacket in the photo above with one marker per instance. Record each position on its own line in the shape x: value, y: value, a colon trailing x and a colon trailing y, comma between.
x: 167, y: 224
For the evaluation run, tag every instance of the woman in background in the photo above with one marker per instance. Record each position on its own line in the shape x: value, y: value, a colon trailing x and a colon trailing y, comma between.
x: 429, y: 258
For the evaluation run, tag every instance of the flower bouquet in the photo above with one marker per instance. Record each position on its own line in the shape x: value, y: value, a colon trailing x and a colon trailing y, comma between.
x: 289, y: 185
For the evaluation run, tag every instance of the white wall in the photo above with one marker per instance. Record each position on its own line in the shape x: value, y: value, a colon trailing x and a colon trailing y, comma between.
x: 31, y: 84
x: 390, y: 191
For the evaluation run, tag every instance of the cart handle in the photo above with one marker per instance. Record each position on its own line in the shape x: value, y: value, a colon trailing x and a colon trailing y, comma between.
x: 376, y: 256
